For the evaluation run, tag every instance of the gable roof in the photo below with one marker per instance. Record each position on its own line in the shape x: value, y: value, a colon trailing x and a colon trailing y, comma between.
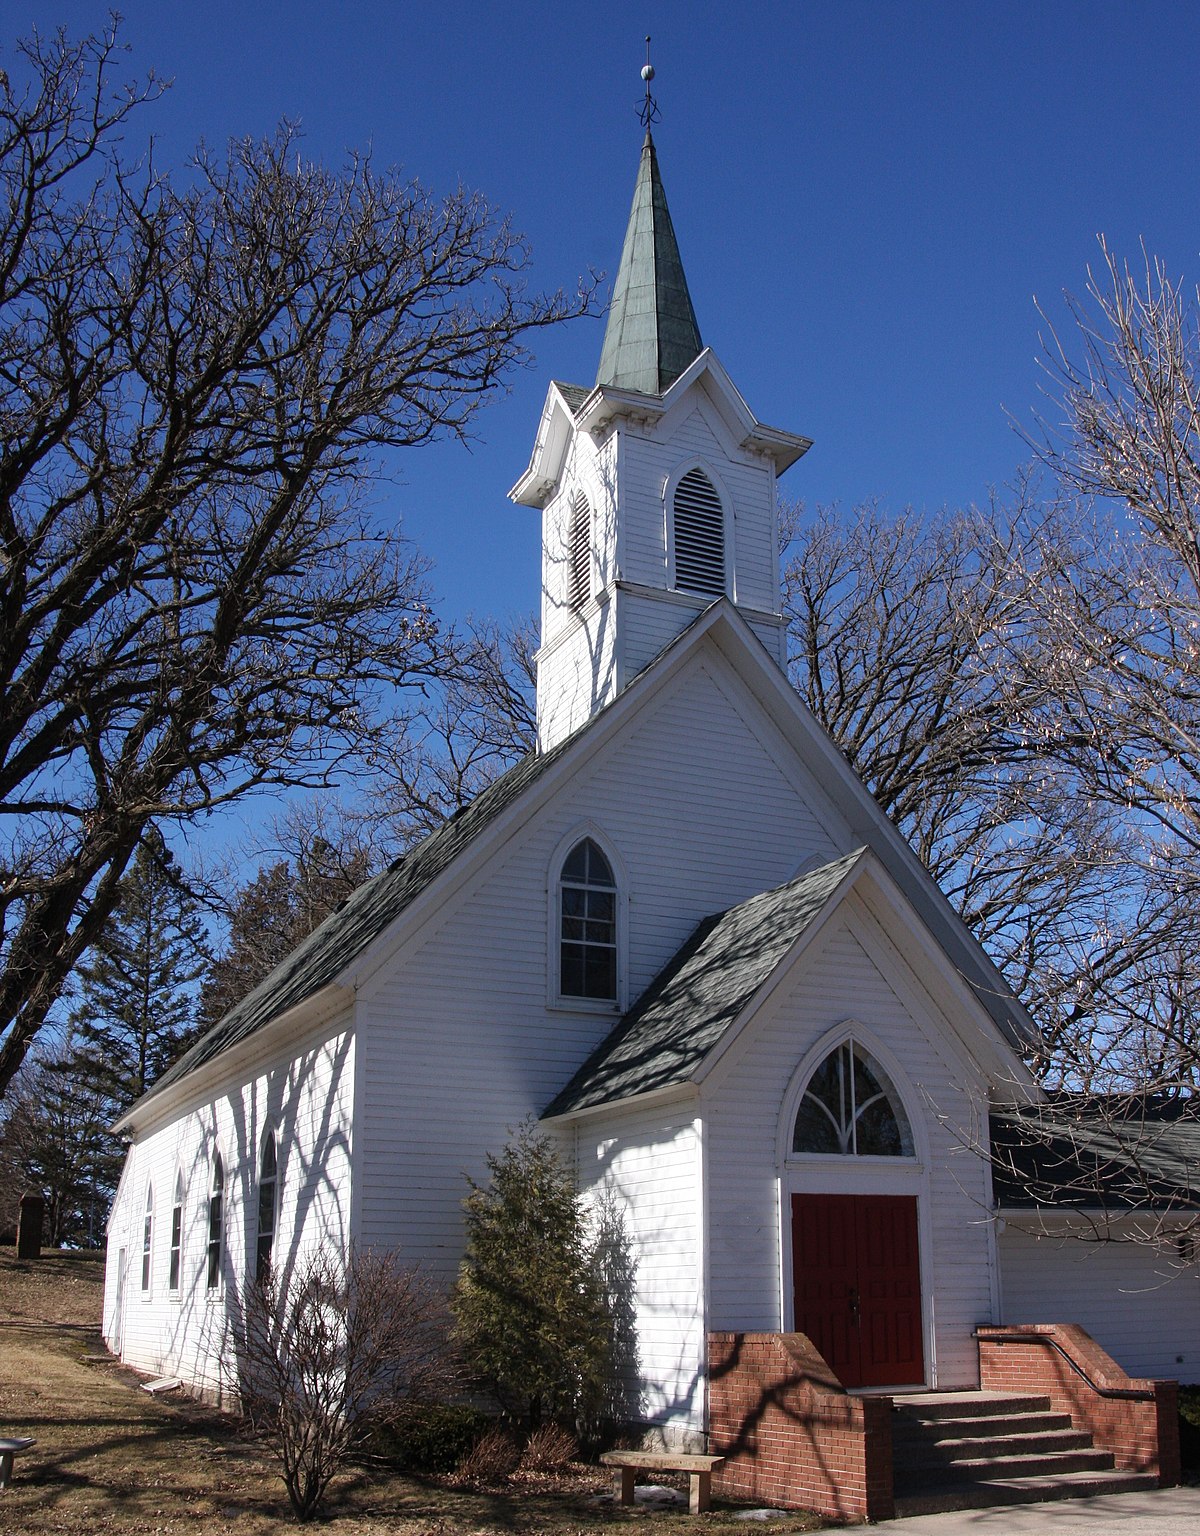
x: 1107, y: 1153
x: 341, y: 938
x: 698, y: 995
x: 346, y: 935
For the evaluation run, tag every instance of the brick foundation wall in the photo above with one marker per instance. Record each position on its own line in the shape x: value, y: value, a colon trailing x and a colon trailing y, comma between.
x: 791, y: 1436
x: 1140, y: 1426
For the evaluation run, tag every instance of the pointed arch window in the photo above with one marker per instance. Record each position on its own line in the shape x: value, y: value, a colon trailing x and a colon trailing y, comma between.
x: 588, y: 924
x: 850, y: 1108
x: 579, y: 554
x: 147, y: 1238
x: 176, y: 1235
x: 268, y: 1182
x: 699, y: 529
x: 216, y: 1224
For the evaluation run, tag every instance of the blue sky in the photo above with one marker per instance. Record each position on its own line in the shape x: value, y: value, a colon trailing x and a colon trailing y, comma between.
x: 867, y: 195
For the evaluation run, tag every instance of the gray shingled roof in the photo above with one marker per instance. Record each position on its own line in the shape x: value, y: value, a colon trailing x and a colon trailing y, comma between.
x: 698, y: 995
x: 651, y: 335
x: 346, y: 933
x: 1111, y: 1153
x: 573, y: 394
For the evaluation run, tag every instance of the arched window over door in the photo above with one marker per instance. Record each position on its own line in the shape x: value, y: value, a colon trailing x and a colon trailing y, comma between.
x: 587, y: 924
x: 850, y: 1108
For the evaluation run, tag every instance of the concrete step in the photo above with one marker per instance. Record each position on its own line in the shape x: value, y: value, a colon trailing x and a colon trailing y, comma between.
x: 932, y: 1500
x: 991, y: 1468
x: 909, y: 1430
x: 944, y: 1449
x: 969, y: 1405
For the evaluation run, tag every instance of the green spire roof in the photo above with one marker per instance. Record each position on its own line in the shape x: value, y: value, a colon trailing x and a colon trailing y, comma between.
x: 652, y: 333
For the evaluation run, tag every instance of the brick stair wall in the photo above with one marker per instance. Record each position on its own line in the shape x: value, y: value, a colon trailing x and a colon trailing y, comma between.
x: 791, y: 1435
x: 1137, y: 1420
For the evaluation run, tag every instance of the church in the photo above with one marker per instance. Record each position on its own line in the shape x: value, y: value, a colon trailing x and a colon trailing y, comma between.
x: 684, y: 938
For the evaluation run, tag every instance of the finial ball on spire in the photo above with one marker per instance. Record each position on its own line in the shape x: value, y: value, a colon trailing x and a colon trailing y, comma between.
x: 647, y: 72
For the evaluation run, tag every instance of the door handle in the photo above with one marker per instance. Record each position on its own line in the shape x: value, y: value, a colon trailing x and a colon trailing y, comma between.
x: 855, y: 1315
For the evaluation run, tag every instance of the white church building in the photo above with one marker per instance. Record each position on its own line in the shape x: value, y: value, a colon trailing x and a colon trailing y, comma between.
x: 680, y: 934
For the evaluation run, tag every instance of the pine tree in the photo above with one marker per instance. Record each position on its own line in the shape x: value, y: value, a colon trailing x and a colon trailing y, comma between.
x: 136, y: 1012
x: 531, y: 1317
x: 278, y: 909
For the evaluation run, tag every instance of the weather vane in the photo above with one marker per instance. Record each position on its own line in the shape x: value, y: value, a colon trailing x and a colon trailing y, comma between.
x: 648, y: 111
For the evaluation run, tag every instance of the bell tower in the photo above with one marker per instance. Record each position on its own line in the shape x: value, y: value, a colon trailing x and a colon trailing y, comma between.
x: 656, y: 485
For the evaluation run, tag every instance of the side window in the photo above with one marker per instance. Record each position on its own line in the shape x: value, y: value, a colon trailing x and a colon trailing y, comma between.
x: 579, y: 554
x: 147, y: 1238
x: 216, y: 1224
x: 176, y: 1234
x: 850, y: 1108
x: 698, y: 521
x: 587, y: 965
x: 268, y: 1180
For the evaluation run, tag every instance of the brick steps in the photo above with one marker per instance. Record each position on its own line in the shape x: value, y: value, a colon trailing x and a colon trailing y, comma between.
x: 973, y: 1449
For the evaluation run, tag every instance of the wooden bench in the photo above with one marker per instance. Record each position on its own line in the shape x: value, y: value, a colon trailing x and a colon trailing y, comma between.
x: 627, y: 1464
x: 8, y: 1449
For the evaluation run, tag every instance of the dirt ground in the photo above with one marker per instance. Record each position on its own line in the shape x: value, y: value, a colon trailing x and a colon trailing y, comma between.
x: 110, y: 1458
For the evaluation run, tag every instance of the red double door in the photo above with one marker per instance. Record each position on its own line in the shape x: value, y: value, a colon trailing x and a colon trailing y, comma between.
x: 857, y: 1277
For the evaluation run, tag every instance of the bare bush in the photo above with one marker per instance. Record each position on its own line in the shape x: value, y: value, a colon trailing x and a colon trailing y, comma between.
x: 549, y: 1449
x: 329, y: 1350
x: 492, y: 1459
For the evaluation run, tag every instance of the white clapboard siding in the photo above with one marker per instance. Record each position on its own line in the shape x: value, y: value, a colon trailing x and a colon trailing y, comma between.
x: 697, y: 824
x: 1140, y: 1302
x: 646, y: 1162
x: 307, y: 1098
x: 743, y: 1108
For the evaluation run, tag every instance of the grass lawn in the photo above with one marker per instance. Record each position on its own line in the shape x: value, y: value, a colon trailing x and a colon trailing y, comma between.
x: 111, y: 1459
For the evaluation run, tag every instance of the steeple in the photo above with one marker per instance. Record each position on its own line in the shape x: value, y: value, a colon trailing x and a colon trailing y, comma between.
x: 652, y: 334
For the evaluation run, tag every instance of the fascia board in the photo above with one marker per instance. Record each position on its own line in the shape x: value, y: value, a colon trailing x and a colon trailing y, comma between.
x: 783, y: 448
x: 674, y: 1092
x: 308, y: 1017
x: 898, y: 920
x: 783, y: 971
x: 537, y: 484
x: 868, y: 824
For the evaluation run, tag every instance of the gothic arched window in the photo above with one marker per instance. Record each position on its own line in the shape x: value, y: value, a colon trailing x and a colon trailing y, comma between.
x: 268, y: 1180
x: 699, y: 527
x: 216, y: 1223
x: 176, y: 1235
x: 850, y: 1108
x: 587, y: 964
x: 147, y: 1237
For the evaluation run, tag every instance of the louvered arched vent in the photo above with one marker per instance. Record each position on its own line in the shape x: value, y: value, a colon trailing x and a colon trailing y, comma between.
x: 579, y: 555
x: 699, y: 536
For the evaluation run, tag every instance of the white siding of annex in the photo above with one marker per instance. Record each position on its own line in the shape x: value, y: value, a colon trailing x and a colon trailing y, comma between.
x: 699, y: 820
x: 646, y: 1161
x: 1138, y: 1301
x: 307, y: 1099
x: 745, y: 1099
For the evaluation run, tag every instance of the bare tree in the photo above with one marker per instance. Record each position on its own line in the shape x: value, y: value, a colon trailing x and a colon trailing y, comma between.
x: 334, y: 1348
x: 194, y: 384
